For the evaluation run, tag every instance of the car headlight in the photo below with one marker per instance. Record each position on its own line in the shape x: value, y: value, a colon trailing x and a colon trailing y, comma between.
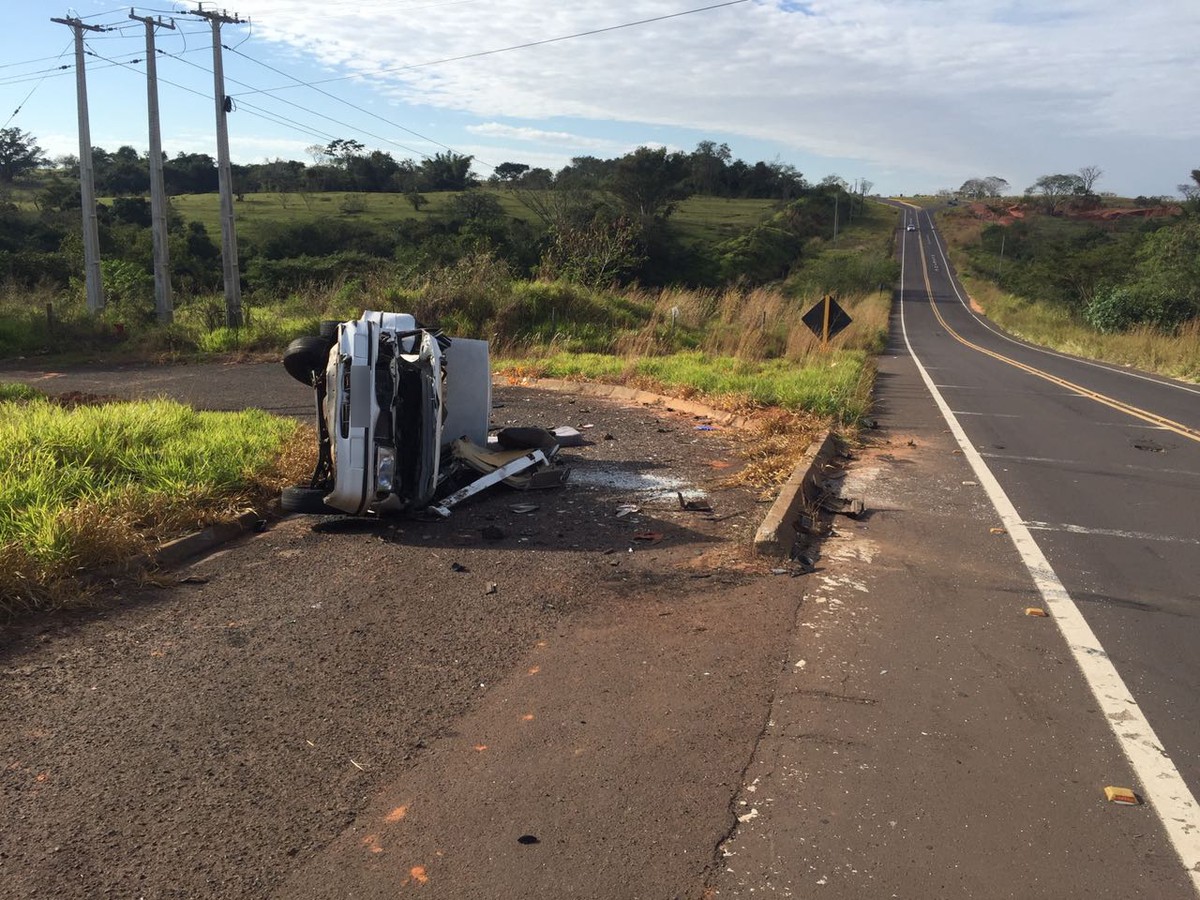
x: 385, y: 468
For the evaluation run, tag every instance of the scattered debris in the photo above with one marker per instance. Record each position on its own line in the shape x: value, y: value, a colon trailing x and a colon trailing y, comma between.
x: 651, y: 537
x: 491, y: 588
x: 626, y: 509
x: 193, y: 579
x: 706, y: 428
x: 458, y: 567
x: 853, y: 507
x: 810, y: 524
x: 699, y: 505
x: 997, y: 531
x: 1123, y: 796
x: 568, y: 436
x: 524, y: 508
x: 1034, y: 611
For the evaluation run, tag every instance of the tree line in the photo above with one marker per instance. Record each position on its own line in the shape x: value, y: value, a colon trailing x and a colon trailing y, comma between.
x: 347, y: 165
x: 594, y: 221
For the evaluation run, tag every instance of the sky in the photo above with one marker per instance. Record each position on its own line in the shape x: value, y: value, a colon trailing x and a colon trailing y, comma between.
x: 911, y: 95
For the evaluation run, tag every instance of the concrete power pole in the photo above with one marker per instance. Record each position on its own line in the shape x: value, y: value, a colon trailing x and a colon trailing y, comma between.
x: 87, y: 187
x: 233, y: 284
x: 158, y: 196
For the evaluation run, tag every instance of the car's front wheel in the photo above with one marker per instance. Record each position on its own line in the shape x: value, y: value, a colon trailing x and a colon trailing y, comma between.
x: 310, y: 501
x: 305, y: 359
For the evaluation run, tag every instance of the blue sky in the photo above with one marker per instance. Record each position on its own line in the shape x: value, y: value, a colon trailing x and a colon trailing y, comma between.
x: 913, y: 95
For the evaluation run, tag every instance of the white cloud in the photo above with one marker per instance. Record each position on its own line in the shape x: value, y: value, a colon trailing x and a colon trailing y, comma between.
x: 940, y: 90
x: 558, y: 138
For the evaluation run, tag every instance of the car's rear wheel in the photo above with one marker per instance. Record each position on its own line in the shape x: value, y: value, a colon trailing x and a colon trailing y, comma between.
x: 310, y: 501
x: 305, y: 359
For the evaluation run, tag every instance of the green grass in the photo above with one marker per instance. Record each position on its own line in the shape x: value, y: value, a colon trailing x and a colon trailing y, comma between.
x: 714, y: 219
x: 698, y: 218
x: 834, y: 385
x: 94, y: 485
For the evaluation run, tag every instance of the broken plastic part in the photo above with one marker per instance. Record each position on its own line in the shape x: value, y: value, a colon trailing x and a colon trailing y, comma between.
x: 516, y: 466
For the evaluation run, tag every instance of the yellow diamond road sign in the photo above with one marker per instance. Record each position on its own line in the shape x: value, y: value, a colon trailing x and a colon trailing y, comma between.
x: 826, y: 319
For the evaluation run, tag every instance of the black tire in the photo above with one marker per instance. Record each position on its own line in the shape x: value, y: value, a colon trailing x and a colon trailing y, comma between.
x: 329, y: 328
x: 310, y: 501
x: 305, y: 359
x: 526, y: 438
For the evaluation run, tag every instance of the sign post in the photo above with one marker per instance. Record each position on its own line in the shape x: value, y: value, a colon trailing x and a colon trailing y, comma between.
x: 826, y: 319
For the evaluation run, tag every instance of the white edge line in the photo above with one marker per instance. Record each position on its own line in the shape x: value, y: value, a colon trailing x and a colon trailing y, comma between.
x: 1191, y: 389
x: 1161, y: 783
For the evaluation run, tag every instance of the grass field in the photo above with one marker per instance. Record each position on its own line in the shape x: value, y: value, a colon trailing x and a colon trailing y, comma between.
x: 95, y: 485
x: 707, y: 219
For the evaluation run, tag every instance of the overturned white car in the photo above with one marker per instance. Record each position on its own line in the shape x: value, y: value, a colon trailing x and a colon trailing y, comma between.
x: 402, y: 413
x: 390, y: 398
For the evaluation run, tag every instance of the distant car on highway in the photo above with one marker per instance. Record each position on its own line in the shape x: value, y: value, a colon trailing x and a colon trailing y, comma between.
x: 910, y: 227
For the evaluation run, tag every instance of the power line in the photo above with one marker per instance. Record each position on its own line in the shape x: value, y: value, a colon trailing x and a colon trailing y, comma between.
x: 553, y: 40
x: 23, y: 77
x: 351, y: 105
x: 111, y: 12
x: 313, y: 112
x: 30, y: 62
x: 251, y: 110
x: 21, y: 105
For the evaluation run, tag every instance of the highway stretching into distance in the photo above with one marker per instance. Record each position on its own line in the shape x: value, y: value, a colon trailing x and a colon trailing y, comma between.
x: 1094, y: 472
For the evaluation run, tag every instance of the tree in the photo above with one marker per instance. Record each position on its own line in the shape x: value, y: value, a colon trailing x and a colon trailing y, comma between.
x: 1191, y: 192
x: 980, y: 188
x: 708, y: 162
x: 1055, y: 190
x: 585, y: 173
x: 447, y: 171
x: 1088, y: 176
x: 19, y: 153
x: 511, y: 171
x: 342, y: 150
x: 649, y: 181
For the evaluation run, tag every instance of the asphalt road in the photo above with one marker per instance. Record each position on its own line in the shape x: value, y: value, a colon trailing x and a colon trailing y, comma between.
x: 1102, y: 468
x: 329, y: 709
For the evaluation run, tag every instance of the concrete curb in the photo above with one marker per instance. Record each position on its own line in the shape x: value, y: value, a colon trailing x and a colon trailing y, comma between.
x: 206, y: 540
x: 630, y: 395
x: 777, y: 533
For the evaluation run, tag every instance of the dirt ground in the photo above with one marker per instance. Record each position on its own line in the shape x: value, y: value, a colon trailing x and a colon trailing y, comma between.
x: 236, y: 730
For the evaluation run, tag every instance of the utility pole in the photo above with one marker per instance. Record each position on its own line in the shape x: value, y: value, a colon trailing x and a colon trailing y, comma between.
x: 164, y: 305
x: 87, y: 187
x: 233, y: 281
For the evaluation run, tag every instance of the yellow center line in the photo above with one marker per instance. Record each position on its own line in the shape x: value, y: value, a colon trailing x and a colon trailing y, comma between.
x: 1128, y: 409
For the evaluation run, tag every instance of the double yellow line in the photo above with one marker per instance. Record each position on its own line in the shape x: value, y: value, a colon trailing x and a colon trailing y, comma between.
x: 1128, y: 409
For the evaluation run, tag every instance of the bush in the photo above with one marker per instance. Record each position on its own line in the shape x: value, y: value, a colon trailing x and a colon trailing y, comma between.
x: 280, y: 276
